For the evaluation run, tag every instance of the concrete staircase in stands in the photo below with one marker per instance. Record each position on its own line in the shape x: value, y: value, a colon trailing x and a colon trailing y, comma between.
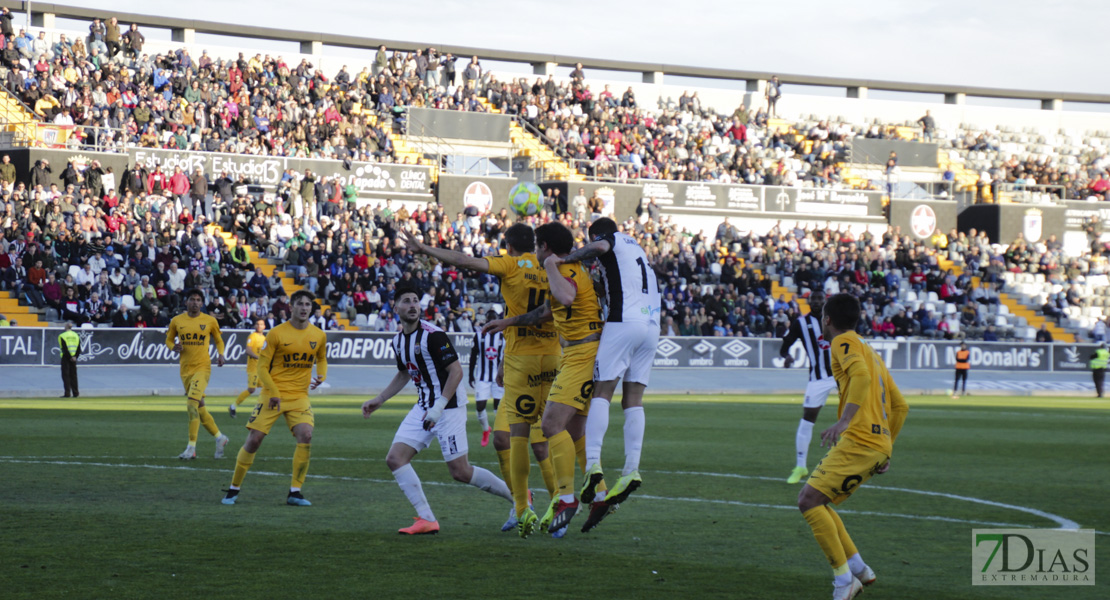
x: 17, y: 124
x: 25, y: 316
x: 268, y: 266
x: 538, y: 153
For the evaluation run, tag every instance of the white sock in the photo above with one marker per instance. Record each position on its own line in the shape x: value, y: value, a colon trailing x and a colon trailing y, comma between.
x: 568, y: 498
x: 634, y: 422
x: 191, y: 445
x: 855, y: 563
x: 483, y: 419
x: 488, y: 482
x: 844, y: 579
x: 597, y: 422
x: 801, y: 441
x: 293, y: 489
x: 410, y: 485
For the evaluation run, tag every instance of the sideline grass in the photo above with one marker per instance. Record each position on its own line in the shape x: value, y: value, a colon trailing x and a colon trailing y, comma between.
x: 95, y: 506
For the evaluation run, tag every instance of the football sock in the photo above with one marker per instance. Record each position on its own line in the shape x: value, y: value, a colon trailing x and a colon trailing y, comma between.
x: 488, y: 482
x: 300, y: 464
x: 242, y: 397
x: 194, y: 421
x: 824, y: 530
x: 855, y: 563
x: 801, y: 441
x: 208, y: 422
x: 597, y: 422
x: 580, y: 451
x: 845, y: 540
x: 521, y: 465
x: 483, y: 419
x: 506, y: 467
x: 547, y: 469
x: 634, y: 422
x: 562, y: 458
x: 410, y: 485
x: 243, y: 464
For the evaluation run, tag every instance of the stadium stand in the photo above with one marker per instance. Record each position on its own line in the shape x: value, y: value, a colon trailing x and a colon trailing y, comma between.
x: 122, y: 257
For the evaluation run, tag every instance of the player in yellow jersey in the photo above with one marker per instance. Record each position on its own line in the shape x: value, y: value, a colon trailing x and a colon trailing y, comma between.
x: 254, y: 347
x: 189, y: 335
x: 285, y: 368
x: 572, y: 305
x: 870, y: 416
x: 530, y: 363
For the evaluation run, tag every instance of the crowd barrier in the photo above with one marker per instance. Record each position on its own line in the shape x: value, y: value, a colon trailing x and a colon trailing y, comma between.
x: 111, y: 347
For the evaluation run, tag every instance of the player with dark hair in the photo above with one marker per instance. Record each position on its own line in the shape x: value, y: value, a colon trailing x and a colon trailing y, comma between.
x: 626, y: 351
x: 530, y: 364
x: 572, y: 305
x: 870, y: 415
x: 807, y: 330
x: 426, y: 357
x: 189, y: 335
x: 285, y: 366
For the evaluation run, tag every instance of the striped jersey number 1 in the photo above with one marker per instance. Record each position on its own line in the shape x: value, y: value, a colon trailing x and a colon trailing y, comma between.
x: 643, y: 272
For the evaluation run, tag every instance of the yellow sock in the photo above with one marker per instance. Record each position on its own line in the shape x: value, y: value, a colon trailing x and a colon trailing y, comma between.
x: 521, y: 465
x: 242, y: 397
x: 208, y: 422
x: 194, y: 421
x: 845, y: 541
x: 548, y: 471
x: 561, y: 447
x: 580, y: 452
x: 824, y: 529
x: 506, y: 467
x: 243, y: 464
x: 300, y: 464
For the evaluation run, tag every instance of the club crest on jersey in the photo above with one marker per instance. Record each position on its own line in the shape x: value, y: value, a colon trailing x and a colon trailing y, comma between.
x: 524, y: 262
x: 312, y: 345
x: 202, y: 327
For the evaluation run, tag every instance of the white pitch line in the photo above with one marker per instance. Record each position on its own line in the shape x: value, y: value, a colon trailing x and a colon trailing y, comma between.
x: 1064, y: 523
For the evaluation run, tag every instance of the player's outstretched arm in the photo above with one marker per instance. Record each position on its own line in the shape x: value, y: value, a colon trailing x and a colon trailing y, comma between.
x: 528, y: 319
x: 591, y: 250
x: 443, y: 255
x: 562, y: 287
x: 398, y: 383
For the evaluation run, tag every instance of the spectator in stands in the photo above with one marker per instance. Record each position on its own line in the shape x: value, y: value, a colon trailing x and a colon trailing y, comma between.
x: 772, y: 95
x: 1044, y: 335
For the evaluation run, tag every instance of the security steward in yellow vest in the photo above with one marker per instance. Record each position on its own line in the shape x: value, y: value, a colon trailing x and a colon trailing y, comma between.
x: 1098, y: 367
x: 70, y: 345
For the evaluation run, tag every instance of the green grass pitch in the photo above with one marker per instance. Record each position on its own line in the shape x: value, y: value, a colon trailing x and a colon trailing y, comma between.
x: 95, y: 505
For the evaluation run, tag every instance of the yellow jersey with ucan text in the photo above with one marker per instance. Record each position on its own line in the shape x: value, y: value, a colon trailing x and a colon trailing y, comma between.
x: 287, y: 359
x: 194, y: 334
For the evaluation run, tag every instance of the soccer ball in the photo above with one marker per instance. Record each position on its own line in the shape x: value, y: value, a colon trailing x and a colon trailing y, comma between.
x: 526, y: 199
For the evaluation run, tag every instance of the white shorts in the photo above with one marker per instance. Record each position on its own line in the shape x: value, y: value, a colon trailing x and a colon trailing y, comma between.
x: 626, y: 352
x: 450, y: 432
x: 487, y: 390
x: 817, y: 392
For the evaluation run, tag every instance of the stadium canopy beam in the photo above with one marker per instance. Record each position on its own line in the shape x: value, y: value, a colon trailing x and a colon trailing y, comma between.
x: 754, y: 79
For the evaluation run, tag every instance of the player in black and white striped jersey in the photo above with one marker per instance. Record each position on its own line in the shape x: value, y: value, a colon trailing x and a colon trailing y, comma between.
x: 807, y: 330
x: 485, y: 358
x: 426, y: 357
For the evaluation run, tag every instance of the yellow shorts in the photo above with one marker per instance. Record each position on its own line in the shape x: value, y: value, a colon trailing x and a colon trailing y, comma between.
x: 845, y: 468
x: 527, y: 382
x: 295, y: 411
x: 501, y: 423
x: 195, y: 384
x: 574, y: 386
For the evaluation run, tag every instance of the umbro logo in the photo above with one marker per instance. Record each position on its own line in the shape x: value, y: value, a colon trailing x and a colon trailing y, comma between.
x: 704, y: 347
x: 736, y: 348
x: 667, y: 348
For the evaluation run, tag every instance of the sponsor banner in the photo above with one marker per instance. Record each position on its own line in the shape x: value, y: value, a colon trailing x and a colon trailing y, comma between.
x: 1005, y: 223
x: 488, y: 194
x: 148, y: 347
x: 372, y: 180
x: 744, y: 353
x: 1072, y: 357
x: 756, y: 200
x: 52, y: 136
x: 986, y: 356
x: 1078, y: 214
x: 23, y: 346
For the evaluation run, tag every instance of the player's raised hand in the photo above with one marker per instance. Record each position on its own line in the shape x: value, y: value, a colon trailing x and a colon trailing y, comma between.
x: 275, y: 403
x: 552, y: 262
x: 316, y: 381
x: 370, y: 406
x: 495, y: 326
x: 411, y: 241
